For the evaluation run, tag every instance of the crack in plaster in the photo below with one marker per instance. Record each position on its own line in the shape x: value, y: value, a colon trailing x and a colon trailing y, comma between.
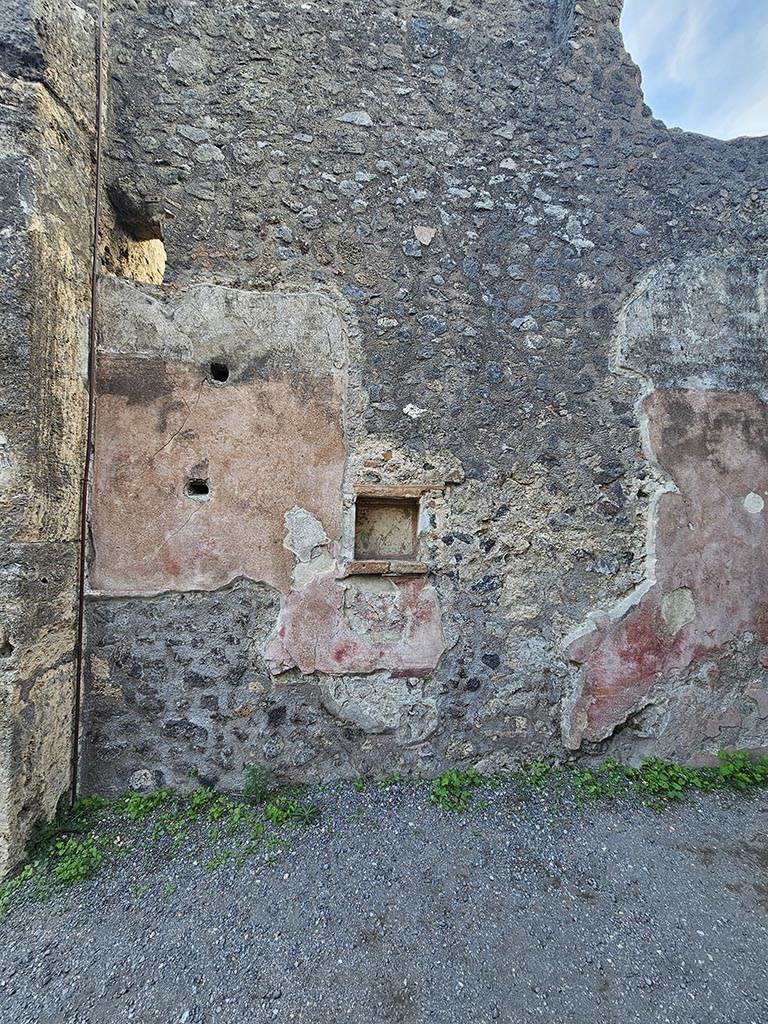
x: 190, y: 412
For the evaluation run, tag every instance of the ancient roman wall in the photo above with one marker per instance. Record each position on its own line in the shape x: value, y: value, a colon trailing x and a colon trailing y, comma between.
x: 463, y: 285
x: 46, y: 199
x: 430, y: 413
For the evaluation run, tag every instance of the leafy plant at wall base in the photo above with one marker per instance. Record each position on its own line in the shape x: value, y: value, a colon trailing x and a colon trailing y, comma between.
x: 538, y: 774
x: 739, y: 771
x: 74, y: 846
x: 141, y: 805
x: 668, y: 781
x: 392, y: 779
x: 285, y: 810
x: 76, y: 819
x: 607, y: 780
x: 78, y: 859
x: 453, y: 789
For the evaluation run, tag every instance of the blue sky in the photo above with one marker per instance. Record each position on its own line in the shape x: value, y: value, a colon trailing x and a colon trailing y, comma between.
x: 704, y: 62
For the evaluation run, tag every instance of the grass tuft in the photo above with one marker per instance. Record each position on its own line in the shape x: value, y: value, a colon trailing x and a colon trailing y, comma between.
x: 81, y: 839
x: 453, y: 789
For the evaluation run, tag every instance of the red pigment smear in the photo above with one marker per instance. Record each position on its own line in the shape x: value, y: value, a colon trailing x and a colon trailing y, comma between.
x: 341, y: 651
x: 634, y: 651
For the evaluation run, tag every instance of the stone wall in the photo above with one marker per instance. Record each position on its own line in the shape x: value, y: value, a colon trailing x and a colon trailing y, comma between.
x: 438, y: 264
x: 551, y: 317
x: 46, y: 200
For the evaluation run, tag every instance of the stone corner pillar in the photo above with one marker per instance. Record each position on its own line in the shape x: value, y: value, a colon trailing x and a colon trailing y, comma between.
x: 47, y: 116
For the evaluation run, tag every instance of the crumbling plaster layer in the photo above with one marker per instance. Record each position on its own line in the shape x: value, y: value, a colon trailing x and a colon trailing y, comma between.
x: 270, y: 443
x: 158, y: 702
x: 268, y: 438
x: 261, y: 334
x: 711, y: 580
x: 47, y: 101
x: 362, y: 624
x: 699, y: 325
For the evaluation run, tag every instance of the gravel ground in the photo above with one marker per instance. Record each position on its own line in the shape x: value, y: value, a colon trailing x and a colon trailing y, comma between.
x: 389, y: 910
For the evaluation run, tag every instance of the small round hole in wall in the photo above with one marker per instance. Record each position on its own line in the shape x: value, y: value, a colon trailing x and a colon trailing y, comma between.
x: 219, y: 371
x: 198, y: 489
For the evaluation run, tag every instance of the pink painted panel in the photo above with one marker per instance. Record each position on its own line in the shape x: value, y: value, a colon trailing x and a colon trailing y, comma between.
x: 263, y: 445
x: 400, y: 633
x: 711, y: 540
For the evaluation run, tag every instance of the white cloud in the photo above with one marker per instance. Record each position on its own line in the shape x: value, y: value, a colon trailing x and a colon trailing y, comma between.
x: 704, y: 62
x: 686, y: 50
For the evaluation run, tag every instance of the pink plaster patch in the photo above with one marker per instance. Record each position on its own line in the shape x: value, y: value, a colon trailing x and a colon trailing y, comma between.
x: 714, y: 446
x: 314, y: 634
x: 262, y: 446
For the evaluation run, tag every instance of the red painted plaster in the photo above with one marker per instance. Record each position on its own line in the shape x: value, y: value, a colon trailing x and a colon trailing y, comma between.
x: 265, y: 445
x: 315, y: 635
x: 714, y: 447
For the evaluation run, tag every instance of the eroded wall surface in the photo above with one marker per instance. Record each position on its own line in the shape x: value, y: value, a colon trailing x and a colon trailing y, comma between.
x: 46, y: 136
x: 552, y: 316
x: 246, y: 396
x: 683, y: 660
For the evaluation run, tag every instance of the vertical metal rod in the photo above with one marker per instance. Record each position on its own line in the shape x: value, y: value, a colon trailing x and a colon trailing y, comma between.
x: 92, y: 346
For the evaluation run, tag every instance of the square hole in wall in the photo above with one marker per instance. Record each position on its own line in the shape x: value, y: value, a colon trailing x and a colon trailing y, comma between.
x: 386, y: 528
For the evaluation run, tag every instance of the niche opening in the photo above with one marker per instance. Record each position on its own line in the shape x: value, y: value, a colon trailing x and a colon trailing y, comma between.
x: 386, y: 528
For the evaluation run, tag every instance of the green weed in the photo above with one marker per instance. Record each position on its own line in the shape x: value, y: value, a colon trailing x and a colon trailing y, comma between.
x: 656, y: 781
x: 735, y: 771
x: 739, y: 771
x: 77, y: 843
x: 77, y: 859
x: 391, y: 779
x: 81, y: 838
x: 538, y: 774
x: 73, y: 820
x: 218, y: 860
x: 664, y: 780
x: 137, y: 806
x: 453, y: 789
x: 286, y: 810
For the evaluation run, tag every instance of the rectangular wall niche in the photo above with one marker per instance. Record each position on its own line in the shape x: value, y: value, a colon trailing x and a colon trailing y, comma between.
x: 386, y: 528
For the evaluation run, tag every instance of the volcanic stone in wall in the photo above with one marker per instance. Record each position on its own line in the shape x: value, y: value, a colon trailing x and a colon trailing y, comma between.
x: 176, y: 685
x: 484, y: 186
